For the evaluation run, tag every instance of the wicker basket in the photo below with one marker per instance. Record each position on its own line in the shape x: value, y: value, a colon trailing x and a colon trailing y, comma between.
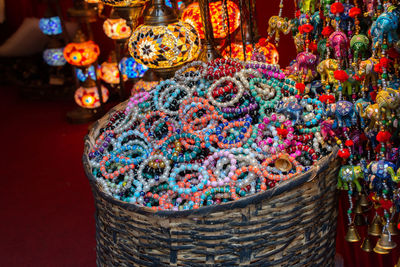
x: 293, y: 224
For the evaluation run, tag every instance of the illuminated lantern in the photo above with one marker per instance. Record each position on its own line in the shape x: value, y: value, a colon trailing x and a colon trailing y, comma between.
x: 92, y: 1
x: 217, y: 13
x: 87, y: 95
x: 143, y: 85
x: 163, y: 43
x: 54, y: 57
x: 109, y: 73
x: 264, y: 47
x: 169, y: 4
x: 123, y: 3
x: 50, y: 26
x: 81, y: 53
x: 131, y: 68
x: 116, y: 29
x: 164, y: 46
x: 85, y: 73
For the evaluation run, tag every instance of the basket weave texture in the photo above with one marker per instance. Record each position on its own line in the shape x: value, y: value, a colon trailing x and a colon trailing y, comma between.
x: 293, y: 224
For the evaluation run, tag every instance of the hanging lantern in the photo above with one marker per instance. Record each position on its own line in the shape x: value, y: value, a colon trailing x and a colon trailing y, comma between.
x: 217, y: 13
x: 92, y: 1
x: 87, y: 95
x: 83, y: 74
x: 131, y: 68
x: 54, y: 57
x: 50, y: 26
x: 163, y: 43
x: 266, y: 48
x: 109, y: 73
x: 81, y: 53
x: 116, y: 29
x: 123, y: 3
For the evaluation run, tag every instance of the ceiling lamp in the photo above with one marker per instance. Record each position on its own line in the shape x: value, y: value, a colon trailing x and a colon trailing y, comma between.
x: 217, y: 13
x: 163, y: 43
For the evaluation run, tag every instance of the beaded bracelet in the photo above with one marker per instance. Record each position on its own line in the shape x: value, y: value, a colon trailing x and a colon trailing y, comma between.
x: 282, y: 177
x: 193, y: 76
x: 220, y: 180
x: 230, y: 102
x: 188, y: 155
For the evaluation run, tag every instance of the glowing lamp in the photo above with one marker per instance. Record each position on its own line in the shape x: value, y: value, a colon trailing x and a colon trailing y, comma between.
x: 54, y: 57
x: 81, y: 54
x: 108, y: 72
x: 169, y: 4
x: 163, y: 42
x: 267, y: 49
x: 116, y: 29
x: 86, y: 73
x: 131, y: 68
x: 50, y: 26
x: 217, y: 13
x: 92, y: 1
x: 123, y: 3
x: 87, y: 95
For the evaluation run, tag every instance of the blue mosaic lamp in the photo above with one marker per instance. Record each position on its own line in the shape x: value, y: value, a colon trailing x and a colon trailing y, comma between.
x: 50, y: 26
x: 86, y: 73
x: 131, y: 68
x: 54, y: 57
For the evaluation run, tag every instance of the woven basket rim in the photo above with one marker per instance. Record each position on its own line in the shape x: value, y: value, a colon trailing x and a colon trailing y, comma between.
x: 282, y: 187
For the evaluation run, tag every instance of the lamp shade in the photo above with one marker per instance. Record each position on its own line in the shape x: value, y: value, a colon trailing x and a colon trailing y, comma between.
x: 50, y: 26
x: 54, y: 57
x: 123, y: 3
x: 116, y: 29
x: 108, y: 72
x: 88, y: 97
x: 217, y: 13
x: 81, y: 54
x: 131, y: 68
x: 84, y: 74
x: 164, y: 46
x: 266, y: 48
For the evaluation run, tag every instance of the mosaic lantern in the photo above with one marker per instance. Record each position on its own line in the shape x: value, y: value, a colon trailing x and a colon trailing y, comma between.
x: 54, y: 57
x: 116, y: 29
x: 123, y: 3
x: 109, y: 72
x: 50, y: 26
x: 219, y: 24
x: 87, y: 95
x: 83, y: 74
x: 81, y: 53
x: 267, y: 49
x: 131, y: 68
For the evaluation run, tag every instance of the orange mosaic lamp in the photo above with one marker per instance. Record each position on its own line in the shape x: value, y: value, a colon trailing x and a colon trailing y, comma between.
x: 116, y: 29
x: 266, y: 48
x: 192, y: 16
x: 87, y: 96
x: 81, y: 53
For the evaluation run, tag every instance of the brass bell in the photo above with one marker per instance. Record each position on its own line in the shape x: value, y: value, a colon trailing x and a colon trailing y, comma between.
x: 359, y: 220
x: 375, y: 228
x: 393, y: 228
x: 385, y: 243
x: 352, y: 234
x: 363, y: 201
x: 283, y: 164
x: 367, y: 245
x: 379, y: 250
